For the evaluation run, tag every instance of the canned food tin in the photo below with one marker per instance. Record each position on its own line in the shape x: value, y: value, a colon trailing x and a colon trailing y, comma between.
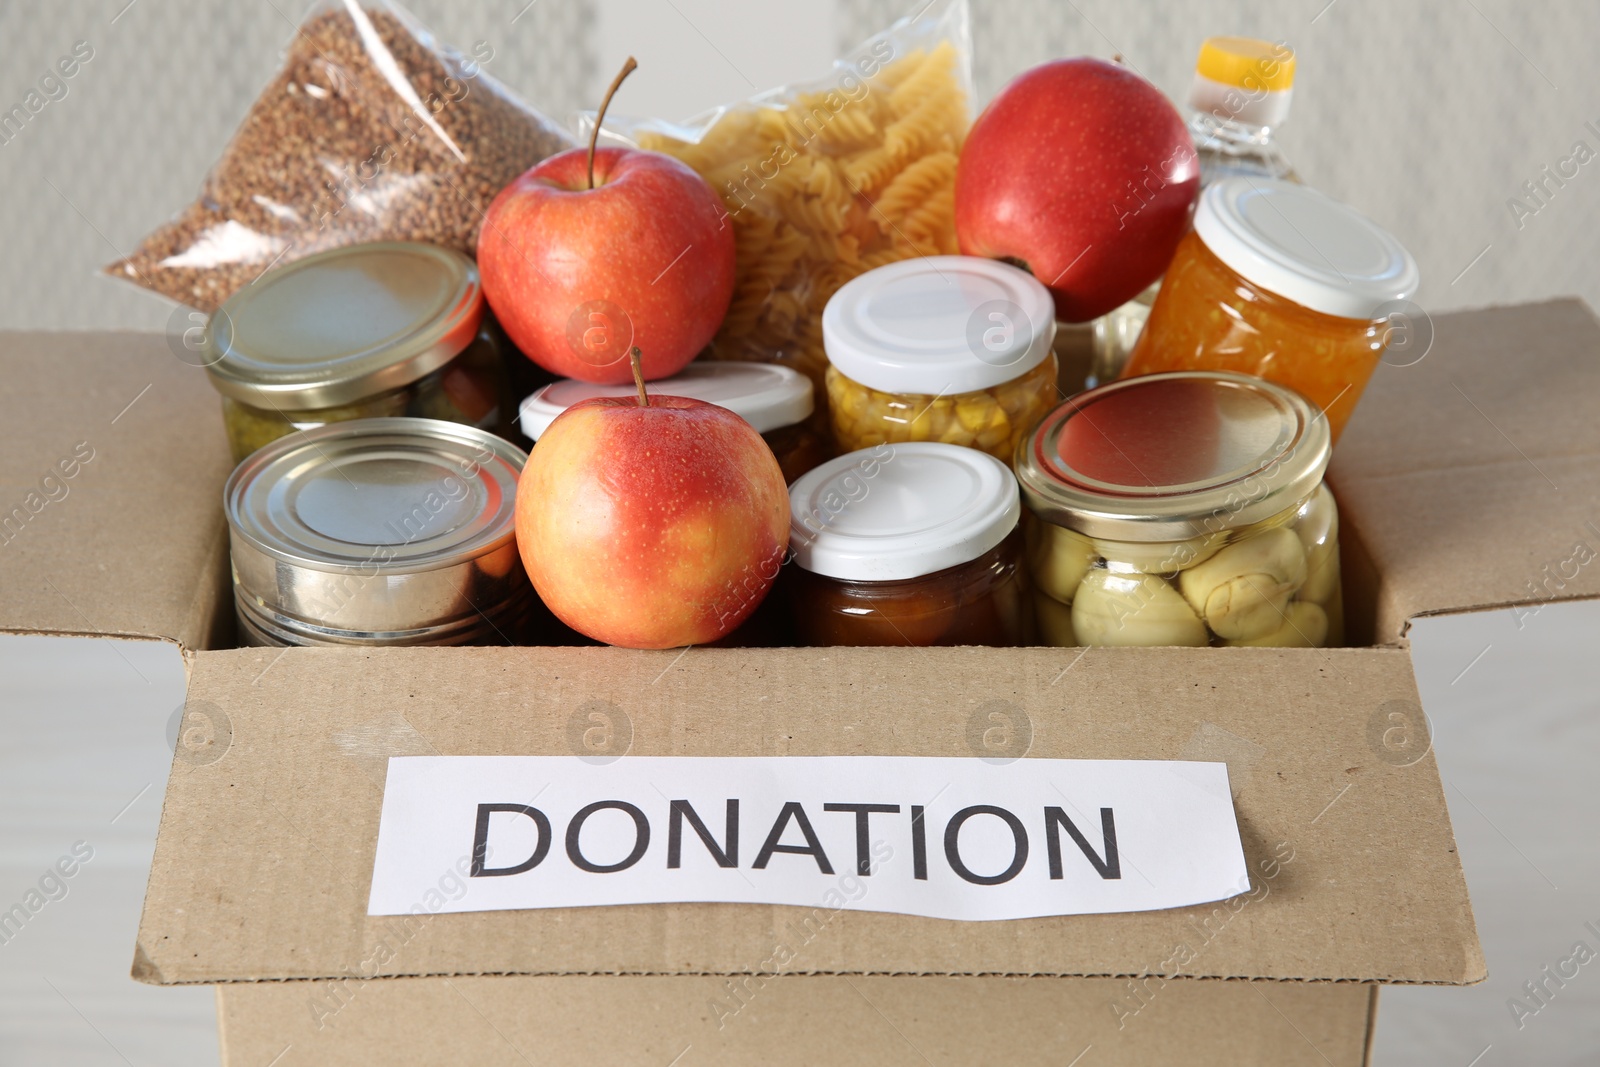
x: 393, y: 531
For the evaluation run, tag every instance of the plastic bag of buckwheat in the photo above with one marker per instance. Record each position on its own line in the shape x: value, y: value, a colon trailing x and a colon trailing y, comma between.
x: 371, y: 131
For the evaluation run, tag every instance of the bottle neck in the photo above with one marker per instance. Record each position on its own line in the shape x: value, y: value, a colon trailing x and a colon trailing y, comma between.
x: 1208, y: 128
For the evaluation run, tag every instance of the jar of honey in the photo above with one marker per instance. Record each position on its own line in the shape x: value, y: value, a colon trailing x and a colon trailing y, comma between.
x: 907, y: 544
x: 1280, y: 282
x: 954, y: 349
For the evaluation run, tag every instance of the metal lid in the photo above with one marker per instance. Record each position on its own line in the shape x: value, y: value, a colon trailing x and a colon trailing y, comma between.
x: 765, y: 395
x: 900, y: 511
x: 1306, y: 246
x: 343, y: 325
x: 939, y: 325
x: 1172, y: 456
x: 429, y: 494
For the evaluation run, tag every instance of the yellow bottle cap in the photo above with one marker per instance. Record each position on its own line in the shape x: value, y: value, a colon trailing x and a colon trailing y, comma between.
x: 1246, y: 63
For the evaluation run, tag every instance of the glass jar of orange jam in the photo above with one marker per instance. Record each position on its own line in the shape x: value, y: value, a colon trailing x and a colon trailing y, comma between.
x: 1280, y: 282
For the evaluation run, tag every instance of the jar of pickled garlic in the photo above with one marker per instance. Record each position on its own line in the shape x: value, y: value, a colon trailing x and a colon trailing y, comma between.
x: 907, y: 544
x: 1279, y: 281
x: 365, y: 331
x: 954, y: 349
x: 776, y: 401
x: 1183, y: 509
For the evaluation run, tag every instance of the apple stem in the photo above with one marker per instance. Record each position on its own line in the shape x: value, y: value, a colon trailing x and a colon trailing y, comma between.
x: 638, y: 376
x: 594, y: 135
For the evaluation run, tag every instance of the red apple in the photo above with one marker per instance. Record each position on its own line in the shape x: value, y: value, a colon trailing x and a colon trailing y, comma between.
x: 595, y: 251
x: 652, y: 525
x: 1082, y: 172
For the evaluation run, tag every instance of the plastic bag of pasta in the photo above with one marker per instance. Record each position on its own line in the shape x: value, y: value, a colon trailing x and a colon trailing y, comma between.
x: 826, y: 180
x: 371, y: 131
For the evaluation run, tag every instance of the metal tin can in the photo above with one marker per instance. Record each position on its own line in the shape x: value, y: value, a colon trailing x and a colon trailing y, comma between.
x: 392, y: 531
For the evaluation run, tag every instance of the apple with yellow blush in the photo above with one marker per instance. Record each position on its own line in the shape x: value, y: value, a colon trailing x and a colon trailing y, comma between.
x: 651, y: 521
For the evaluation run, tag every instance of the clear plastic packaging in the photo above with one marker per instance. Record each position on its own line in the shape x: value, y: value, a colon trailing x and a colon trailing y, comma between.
x: 827, y: 180
x: 371, y: 131
x: 1240, y: 96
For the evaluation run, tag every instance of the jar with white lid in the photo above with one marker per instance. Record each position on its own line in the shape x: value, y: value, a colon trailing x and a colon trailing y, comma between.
x: 390, y: 328
x: 907, y: 544
x: 953, y: 349
x: 1183, y: 509
x: 1279, y: 281
x: 776, y: 401
x: 392, y: 531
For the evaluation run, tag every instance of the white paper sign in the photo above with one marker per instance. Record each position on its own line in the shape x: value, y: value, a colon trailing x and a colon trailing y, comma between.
x: 941, y: 837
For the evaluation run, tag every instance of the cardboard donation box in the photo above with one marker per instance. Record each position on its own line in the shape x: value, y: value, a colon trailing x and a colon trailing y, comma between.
x: 1447, y: 483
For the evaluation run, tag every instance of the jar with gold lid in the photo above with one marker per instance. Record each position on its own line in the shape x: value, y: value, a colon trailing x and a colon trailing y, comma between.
x: 365, y: 331
x: 1183, y: 509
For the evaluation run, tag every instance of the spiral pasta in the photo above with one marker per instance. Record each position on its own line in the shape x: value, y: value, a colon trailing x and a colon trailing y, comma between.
x: 826, y: 186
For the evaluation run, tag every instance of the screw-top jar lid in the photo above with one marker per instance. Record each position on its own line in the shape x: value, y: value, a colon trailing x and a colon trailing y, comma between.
x: 1166, y: 457
x: 900, y: 511
x: 429, y: 494
x: 765, y: 395
x: 1246, y: 63
x: 1305, y: 246
x: 939, y: 325
x: 343, y: 325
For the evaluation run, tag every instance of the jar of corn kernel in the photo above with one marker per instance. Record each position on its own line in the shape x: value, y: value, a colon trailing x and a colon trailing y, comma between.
x: 954, y: 349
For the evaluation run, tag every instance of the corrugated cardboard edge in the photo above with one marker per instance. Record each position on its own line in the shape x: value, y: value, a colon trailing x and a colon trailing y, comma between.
x: 1372, y: 1024
x: 1468, y: 476
x: 144, y: 971
x: 136, y: 545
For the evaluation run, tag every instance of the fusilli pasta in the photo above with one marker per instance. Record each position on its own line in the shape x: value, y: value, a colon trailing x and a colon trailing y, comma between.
x: 824, y: 187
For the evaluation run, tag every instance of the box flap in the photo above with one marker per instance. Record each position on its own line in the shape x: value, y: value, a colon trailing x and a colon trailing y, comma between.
x: 264, y: 859
x: 1470, y: 478
x: 131, y: 542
